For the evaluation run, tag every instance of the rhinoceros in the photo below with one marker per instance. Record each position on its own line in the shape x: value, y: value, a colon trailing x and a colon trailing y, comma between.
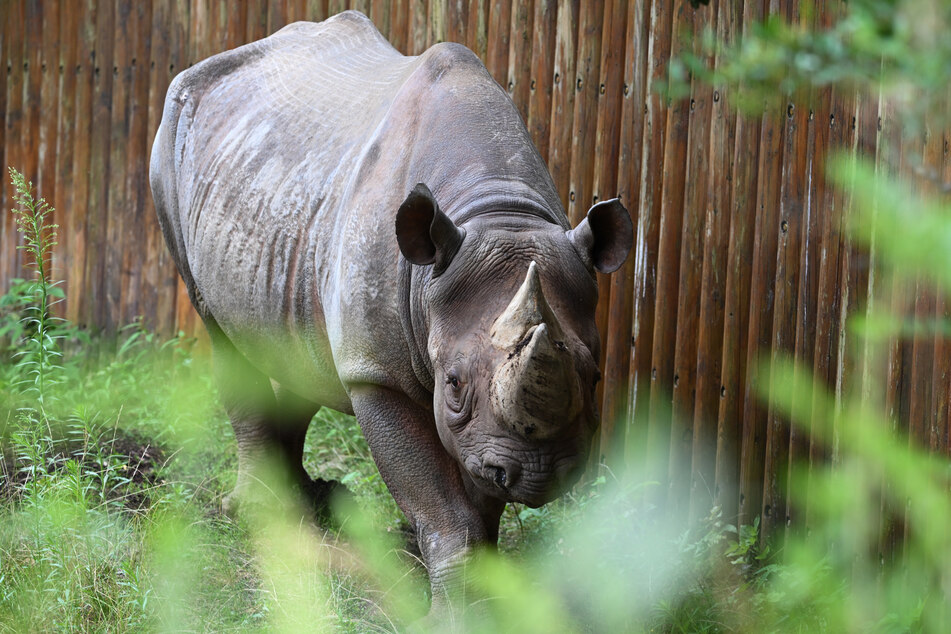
x: 377, y: 234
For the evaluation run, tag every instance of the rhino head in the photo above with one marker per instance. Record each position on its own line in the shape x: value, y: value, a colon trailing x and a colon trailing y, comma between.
x: 512, y: 340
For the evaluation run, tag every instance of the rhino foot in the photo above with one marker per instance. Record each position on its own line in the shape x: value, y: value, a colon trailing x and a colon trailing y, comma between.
x: 326, y: 499
x: 410, y: 541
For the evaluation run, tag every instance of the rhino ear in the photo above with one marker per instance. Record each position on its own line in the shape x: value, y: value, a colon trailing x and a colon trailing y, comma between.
x: 605, y: 236
x: 424, y: 233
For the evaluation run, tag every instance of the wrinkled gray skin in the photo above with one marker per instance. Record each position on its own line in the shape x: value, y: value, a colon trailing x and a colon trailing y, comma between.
x: 357, y: 229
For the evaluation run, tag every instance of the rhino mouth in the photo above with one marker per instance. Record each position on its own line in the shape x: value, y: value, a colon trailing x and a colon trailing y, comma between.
x: 509, y: 481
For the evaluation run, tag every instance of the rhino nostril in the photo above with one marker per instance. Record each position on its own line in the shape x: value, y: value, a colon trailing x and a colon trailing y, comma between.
x: 499, y: 476
x: 503, y: 473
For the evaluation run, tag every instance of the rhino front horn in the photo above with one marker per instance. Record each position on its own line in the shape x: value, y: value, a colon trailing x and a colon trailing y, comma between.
x: 536, y: 387
x: 526, y: 310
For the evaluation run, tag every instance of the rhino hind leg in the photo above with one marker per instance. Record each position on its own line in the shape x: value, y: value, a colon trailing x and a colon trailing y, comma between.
x: 294, y: 416
x: 270, y: 425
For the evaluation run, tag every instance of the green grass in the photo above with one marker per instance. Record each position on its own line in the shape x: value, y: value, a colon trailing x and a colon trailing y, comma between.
x: 109, y: 520
x: 115, y: 459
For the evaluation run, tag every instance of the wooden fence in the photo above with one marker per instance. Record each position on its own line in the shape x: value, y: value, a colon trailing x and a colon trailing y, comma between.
x: 740, y: 249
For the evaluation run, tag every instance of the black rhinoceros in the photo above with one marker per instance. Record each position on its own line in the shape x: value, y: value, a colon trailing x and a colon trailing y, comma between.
x: 377, y: 234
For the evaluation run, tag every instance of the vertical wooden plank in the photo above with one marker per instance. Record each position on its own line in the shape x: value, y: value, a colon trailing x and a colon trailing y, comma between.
x: 855, y: 290
x: 418, y: 27
x: 436, y: 21
x: 817, y: 304
x: 6, y: 71
x: 256, y: 22
x: 229, y: 25
x: 604, y: 171
x: 695, y: 203
x: 792, y: 220
x: 337, y: 6
x: 457, y: 15
x: 363, y: 6
x: 540, y: 79
x: 668, y: 269
x: 98, y: 193
x: 201, y: 44
x: 898, y: 354
x: 733, y: 425
x: 399, y: 35
x: 651, y: 430
x: 816, y: 309
x: 925, y: 363
x: 217, y: 19
x: 116, y: 217
x: 873, y: 363
x: 921, y: 413
x: 48, y: 108
x: 237, y: 21
x: 79, y: 298
x: 911, y: 302
x: 135, y: 301
x: 65, y: 147
x: 297, y: 11
x: 941, y: 400
x: 617, y: 351
x: 316, y: 10
x: 563, y: 97
x: 381, y: 14
x: 276, y: 16
x: 817, y: 312
x: 520, y: 51
x: 584, y: 119
x: 704, y: 484
x: 226, y: 23
x: 181, y: 32
x: 32, y: 105
x: 872, y: 383
x: 837, y: 289
x: 733, y: 368
x: 765, y: 236
x: 16, y: 70
x: 497, y: 53
x: 477, y: 27
x: 610, y: 93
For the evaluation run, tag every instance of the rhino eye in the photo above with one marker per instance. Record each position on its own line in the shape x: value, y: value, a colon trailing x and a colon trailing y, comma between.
x: 452, y: 380
x: 457, y: 398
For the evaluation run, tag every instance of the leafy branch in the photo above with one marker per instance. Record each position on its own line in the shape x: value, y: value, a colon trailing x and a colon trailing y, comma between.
x: 41, y: 354
x: 896, y: 46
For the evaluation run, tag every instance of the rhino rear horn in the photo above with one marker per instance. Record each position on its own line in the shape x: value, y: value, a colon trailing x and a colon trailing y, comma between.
x: 424, y: 233
x: 536, y: 388
x: 605, y: 236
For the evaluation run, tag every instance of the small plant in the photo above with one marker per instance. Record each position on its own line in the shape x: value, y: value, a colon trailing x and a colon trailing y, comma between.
x: 38, y: 365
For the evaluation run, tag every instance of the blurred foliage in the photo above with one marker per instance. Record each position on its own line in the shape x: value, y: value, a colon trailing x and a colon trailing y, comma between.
x: 109, y: 493
x: 898, y: 46
x: 36, y: 366
x: 871, y: 552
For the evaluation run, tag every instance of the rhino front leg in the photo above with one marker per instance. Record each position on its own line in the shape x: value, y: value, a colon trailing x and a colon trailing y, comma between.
x: 427, y: 486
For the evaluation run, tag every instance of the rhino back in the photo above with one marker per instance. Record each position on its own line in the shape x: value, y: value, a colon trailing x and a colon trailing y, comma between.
x: 255, y: 145
x: 277, y: 172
